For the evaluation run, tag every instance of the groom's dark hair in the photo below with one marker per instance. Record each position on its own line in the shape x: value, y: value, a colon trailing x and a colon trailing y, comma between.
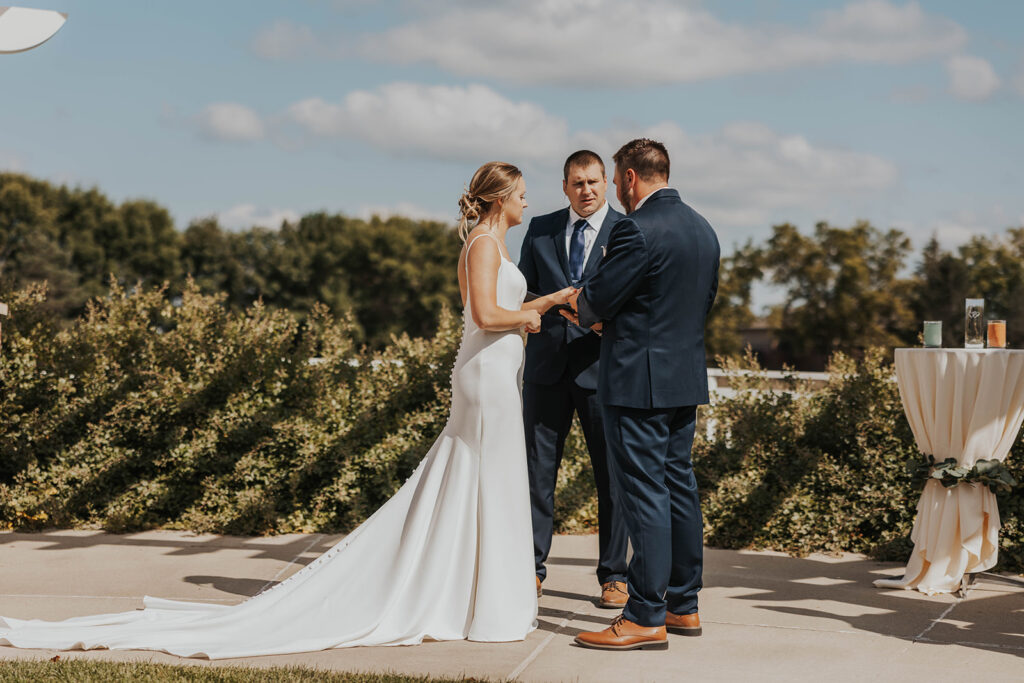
x: 648, y: 158
x: 581, y: 159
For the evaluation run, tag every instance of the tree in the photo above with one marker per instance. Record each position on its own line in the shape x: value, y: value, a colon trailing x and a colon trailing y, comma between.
x: 148, y: 248
x: 732, y: 312
x: 843, y: 290
x: 31, y: 249
x: 989, y: 268
x: 394, y: 274
x: 74, y: 239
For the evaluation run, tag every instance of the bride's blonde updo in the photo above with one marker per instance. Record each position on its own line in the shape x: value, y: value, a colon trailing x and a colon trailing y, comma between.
x: 493, y: 181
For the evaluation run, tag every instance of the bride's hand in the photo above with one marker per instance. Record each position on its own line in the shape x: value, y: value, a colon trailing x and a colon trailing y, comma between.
x: 532, y: 323
x: 563, y: 296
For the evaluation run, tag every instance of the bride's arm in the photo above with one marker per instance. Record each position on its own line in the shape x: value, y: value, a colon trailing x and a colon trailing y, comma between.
x: 542, y: 303
x: 484, y: 261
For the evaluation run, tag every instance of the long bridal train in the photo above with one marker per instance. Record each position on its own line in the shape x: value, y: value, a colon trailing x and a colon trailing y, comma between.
x: 449, y: 557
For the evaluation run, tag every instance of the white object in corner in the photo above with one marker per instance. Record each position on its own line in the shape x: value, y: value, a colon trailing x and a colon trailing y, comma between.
x: 23, y: 29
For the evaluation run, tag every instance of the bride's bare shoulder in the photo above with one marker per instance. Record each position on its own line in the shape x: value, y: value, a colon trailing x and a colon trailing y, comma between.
x: 472, y: 242
x: 476, y: 232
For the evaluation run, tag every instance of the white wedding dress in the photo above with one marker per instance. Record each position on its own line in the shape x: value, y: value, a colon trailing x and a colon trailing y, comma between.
x: 449, y: 557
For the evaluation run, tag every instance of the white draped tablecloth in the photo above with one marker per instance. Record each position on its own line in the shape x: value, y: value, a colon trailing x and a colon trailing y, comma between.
x: 966, y: 404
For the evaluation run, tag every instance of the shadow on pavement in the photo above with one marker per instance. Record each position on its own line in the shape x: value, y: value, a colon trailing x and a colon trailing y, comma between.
x: 226, y: 584
x: 573, y: 561
x: 298, y: 548
x: 567, y: 595
x: 841, y: 590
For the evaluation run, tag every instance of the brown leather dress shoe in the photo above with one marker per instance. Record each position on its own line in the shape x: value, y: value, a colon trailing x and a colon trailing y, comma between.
x: 683, y: 624
x: 614, y: 595
x: 625, y: 635
x: 540, y: 591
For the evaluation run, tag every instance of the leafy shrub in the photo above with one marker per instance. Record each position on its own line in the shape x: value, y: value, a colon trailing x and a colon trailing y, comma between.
x: 825, y: 471
x: 148, y: 412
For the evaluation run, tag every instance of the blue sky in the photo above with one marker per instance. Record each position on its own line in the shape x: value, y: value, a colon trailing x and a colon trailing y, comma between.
x: 906, y: 114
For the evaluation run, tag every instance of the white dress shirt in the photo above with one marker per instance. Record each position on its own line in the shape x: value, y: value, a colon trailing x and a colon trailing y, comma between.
x: 648, y: 196
x: 594, y: 222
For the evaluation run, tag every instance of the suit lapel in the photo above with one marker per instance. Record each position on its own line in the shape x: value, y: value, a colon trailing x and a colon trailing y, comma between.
x: 558, y: 243
x: 597, y: 251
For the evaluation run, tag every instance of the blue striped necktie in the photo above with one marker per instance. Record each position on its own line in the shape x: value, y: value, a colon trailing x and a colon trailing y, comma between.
x: 577, y: 248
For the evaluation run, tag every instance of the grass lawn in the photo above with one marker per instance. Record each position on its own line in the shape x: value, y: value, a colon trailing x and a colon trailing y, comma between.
x: 18, y: 671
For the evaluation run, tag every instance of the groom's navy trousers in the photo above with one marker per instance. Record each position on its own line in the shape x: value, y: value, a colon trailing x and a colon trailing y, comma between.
x: 649, y: 455
x: 653, y: 291
x: 560, y: 378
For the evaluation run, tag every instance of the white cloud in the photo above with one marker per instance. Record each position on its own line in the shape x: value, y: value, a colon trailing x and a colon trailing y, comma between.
x: 748, y: 174
x: 911, y: 94
x: 601, y: 42
x: 744, y: 174
x: 440, y: 122
x: 406, y: 210
x: 245, y: 216
x: 952, y: 233
x: 230, y: 122
x: 954, y: 228
x: 11, y: 162
x: 971, y: 78
x: 1018, y: 78
x: 285, y: 40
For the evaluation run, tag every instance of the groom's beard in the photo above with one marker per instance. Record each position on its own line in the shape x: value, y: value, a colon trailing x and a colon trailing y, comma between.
x: 627, y: 200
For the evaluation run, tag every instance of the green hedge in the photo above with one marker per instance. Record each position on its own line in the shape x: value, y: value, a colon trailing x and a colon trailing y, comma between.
x: 825, y: 470
x: 146, y: 414
x: 151, y: 413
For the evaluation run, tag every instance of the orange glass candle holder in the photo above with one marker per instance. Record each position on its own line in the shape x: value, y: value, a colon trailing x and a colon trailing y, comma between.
x: 997, y: 334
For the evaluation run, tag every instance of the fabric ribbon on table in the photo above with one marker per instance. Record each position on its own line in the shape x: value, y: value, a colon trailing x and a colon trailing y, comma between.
x: 967, y: 405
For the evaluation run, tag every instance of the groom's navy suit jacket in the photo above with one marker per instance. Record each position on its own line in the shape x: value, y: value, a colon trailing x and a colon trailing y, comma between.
x: 545, y: 264
x: 653, y: 291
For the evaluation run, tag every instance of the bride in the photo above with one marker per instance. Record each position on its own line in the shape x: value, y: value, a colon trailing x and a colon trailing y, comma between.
x: 449, y: 557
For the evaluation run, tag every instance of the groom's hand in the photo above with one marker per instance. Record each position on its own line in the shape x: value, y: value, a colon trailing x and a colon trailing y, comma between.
x: 574, y: 318
x: 574, y: 315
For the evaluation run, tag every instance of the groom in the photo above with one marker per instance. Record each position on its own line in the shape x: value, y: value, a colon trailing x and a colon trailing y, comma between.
x: 652, y: 292
x: 560, y: 378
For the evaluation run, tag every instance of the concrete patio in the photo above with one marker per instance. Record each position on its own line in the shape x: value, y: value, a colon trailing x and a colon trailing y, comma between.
x: 766, y: 616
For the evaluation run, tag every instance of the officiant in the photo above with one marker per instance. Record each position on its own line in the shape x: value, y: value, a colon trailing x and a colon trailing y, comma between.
x: 560, y: 378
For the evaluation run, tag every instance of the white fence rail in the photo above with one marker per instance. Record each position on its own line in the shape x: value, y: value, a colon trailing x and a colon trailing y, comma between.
x: 721, y: 384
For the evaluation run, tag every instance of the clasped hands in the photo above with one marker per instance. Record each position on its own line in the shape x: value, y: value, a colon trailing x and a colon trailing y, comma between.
x: 566, y: 301
x: 538, y: 306
x: 573, y: 316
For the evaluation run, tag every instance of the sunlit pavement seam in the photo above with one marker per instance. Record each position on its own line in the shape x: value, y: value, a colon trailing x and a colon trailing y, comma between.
x: 305, y: 550
x: 577, y: 609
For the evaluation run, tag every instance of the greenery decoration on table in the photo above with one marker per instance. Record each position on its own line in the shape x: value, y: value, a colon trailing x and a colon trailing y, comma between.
x: 991, y: 473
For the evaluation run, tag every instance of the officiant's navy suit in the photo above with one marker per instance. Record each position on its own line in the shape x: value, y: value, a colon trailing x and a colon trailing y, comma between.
x: 653, y: 291
x: 560, y: 377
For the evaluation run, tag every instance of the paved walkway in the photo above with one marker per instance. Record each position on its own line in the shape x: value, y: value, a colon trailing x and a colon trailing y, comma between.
x: 767, y: 617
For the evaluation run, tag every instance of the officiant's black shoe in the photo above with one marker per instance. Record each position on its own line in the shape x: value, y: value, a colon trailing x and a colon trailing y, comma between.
x: 683, y: 624
x: 623, y: 634
x: 614, y: 595
x: 540, y: 591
